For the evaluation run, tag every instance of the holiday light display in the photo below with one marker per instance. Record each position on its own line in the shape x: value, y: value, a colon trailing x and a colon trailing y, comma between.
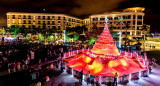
x: 104, y: 59
x: 91, y: 42
x: 105, y: 44
x: 64, y: 40
x: 75, y: 37
x: 120, y: 32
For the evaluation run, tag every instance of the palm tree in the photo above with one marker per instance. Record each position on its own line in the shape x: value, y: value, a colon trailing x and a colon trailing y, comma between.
x: 111, y: 28
x: 14, y: 29
x: 127, y: 27
x: 144, y: 29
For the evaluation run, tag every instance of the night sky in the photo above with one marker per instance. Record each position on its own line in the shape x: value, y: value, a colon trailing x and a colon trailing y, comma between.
x: 82, y: 8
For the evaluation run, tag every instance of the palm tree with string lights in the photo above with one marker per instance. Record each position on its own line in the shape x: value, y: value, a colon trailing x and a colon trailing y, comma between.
x: 120, y: 32
x: 127, y: 27
x: 144, y: 29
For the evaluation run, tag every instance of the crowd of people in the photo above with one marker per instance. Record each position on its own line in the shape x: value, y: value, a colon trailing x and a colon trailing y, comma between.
x: 21, y: 56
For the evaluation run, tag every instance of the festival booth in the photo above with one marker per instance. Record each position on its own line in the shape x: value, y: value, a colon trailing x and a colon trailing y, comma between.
x: 104, y: 60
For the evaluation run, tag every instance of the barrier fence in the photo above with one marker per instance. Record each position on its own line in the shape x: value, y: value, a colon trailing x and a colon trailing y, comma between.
x: 103, y: 80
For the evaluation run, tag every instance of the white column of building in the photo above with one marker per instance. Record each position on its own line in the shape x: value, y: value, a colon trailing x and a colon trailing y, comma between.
x: 142, y: 25
x: 105, y: 17
x: 100, y: 80
x: 135, y: 25
x: 132, y: 28
x: 98, y: 22
x: 91, y: 23
x: 98, y: 18
x: 72, y: 72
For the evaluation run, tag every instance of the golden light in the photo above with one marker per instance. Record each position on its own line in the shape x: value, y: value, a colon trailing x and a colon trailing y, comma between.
x: 87, y: 59
x: 99, y: 68
x: 123, y: 62
x: 113, y: 63
x: 96, y: 67
x: 75, y: 65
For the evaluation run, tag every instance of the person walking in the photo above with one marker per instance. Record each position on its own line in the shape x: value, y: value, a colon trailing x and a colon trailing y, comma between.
x: 115, y: 79
x: 88, y: 78
x: 153, y: 61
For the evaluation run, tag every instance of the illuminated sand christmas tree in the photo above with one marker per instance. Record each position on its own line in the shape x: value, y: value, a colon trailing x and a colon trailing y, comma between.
x: 104, y: 59
x: 105, y: 44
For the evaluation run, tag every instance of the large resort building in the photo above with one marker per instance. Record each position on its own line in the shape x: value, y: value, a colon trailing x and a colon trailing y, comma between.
x: 132, y: 16
x: 42, y: 20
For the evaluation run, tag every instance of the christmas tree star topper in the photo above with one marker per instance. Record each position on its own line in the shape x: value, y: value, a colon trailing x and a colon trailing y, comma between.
x: 106, y: 19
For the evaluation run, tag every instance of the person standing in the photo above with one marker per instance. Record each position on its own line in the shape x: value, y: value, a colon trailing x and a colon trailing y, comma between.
x: 23, y: 64
x: 153, y: 61
x: 26, y: 63
x: 47, y: 78
x: 81, y: 75
x: 14, y: 67
x: 97, y: 84
x: 149, y: 66
x: 39, y: 84
x: 61, y: 66
x: 39, y: 61
x: 51, y: 66
x: 92, y: 81
x: 28, y: 57
x: 33, y: 77
x: 115, y: 79
x: 88, y: 78
x: 19, y: 66
x: 109, y: 83
x: 32, y: 55
x: 9, y: 68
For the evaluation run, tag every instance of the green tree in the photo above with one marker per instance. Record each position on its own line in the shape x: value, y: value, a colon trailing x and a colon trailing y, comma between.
x: 144, y: 29
x: 75, y: 37
x: 126, y: 39
x: 14, y: 29
x: 24, y: 31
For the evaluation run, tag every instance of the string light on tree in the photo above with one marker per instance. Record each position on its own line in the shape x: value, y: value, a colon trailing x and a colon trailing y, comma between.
x: 120, y: 32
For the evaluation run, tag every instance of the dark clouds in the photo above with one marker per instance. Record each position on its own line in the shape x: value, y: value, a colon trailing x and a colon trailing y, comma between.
x: 81, y: 8
x: 94, y: 6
